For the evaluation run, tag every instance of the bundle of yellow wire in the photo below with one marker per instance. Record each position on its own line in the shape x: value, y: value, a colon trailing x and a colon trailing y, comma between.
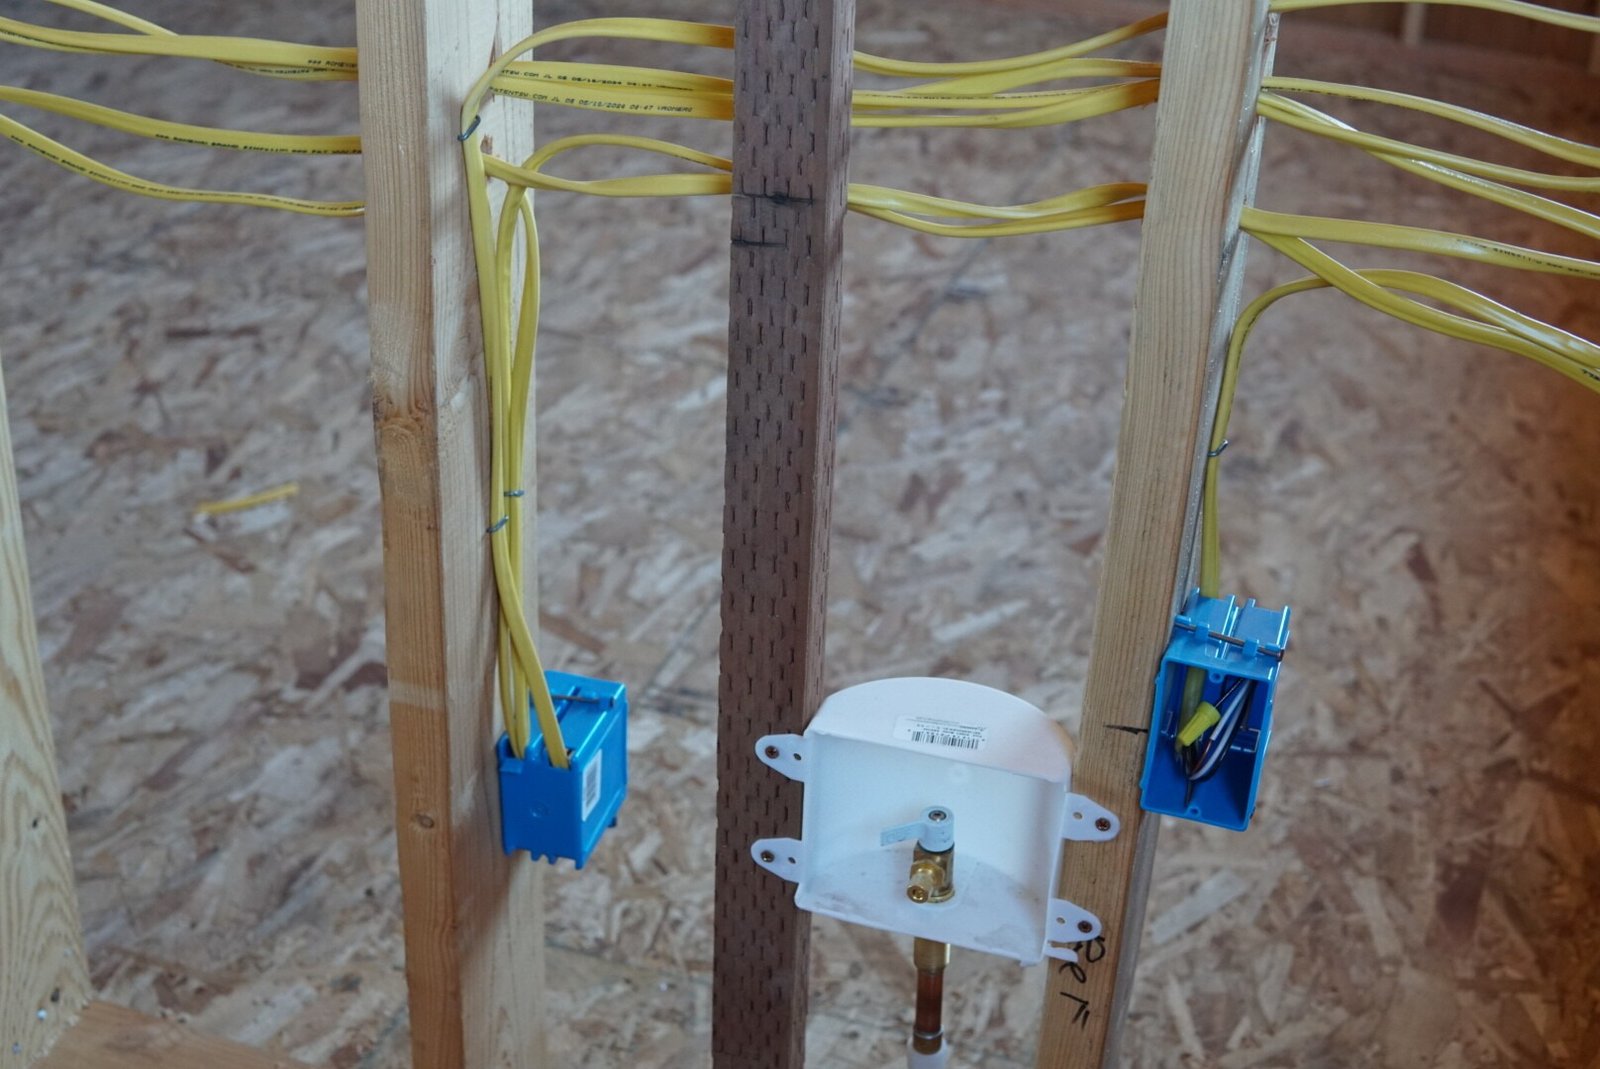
x: 277, y: 59
x: 993, y: 94
x: 998, y: 93
x: 1006, y: 93
x: 1465, y: 314
x: 1473, y: 317
x: 972, y: 94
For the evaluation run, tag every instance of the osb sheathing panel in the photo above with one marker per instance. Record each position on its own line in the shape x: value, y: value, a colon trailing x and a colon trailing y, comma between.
x: 1418, y: 887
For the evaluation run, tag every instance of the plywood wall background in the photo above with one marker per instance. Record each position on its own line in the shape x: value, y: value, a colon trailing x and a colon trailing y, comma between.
x: 1420, y: 886
x: 1474, y: 28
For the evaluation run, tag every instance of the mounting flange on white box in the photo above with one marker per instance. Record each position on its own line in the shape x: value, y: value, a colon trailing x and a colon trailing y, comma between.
x: 878, y: 755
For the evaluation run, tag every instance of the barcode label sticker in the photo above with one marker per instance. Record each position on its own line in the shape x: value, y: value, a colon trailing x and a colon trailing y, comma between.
x: 591, y: 785
x: 947, y: 733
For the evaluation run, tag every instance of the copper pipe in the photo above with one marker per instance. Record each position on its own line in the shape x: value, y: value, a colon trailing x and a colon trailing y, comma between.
x: 927, y: 1034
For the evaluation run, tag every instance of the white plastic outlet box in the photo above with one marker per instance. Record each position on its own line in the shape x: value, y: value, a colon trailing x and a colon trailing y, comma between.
x: 877, y: 755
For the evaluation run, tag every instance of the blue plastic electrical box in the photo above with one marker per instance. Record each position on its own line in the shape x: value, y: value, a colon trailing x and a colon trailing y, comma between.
x: 1232, y: 644
x: 562, y: 812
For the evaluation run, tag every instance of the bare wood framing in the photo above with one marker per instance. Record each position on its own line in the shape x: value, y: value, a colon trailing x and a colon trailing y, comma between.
x: 1414, y: 27
x: 43, y: 981
x: 1594, y: 48
x: 111, y: 1037
x: 790, y: 146
x: 1191, y: 262
x: 474, y: 931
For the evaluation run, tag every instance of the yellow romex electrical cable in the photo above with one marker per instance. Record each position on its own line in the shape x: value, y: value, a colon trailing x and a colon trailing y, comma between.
x: 966, y: 94
x: 1009, y: 92
x: 1015, y: 92
x: 1466, y: 314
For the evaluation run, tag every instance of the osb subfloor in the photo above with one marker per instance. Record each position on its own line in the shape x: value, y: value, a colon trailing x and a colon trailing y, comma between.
x: 1418, y: 888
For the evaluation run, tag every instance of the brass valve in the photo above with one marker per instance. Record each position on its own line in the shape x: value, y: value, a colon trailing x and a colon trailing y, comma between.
x: 932, y: 876
x: 933, y: 863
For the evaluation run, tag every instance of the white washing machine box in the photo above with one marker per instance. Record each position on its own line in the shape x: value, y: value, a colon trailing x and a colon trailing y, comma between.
x: 879, y: 756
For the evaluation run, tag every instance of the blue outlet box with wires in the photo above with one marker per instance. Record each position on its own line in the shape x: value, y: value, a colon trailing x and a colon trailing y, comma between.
x: 562, y: 812
x: 1211, y: 774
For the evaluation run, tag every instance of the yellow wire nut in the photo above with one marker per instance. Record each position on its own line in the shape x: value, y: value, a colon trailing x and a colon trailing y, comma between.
x: 1204, y: 718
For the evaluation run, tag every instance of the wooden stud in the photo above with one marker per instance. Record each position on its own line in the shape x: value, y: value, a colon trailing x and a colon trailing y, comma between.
x: 790, y: 147
x: 1594, y: 47
x: 1191, y: 262
x: 111, y: 1037
x: 1414, y: 27
x: 474, y: 929
x: 43, y: 981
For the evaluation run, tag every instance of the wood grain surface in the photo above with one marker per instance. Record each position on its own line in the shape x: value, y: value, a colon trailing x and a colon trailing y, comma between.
x: 1426, y: 822
x: 113, y: 1037
x: 473, y: 921
x: 43, y: 984
x: 790, y: 152
x: 1191, y: 263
